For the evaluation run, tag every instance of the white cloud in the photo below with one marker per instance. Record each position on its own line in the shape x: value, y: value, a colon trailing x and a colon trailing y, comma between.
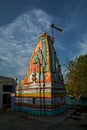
x: 81, y: 46
x: 17, y: 41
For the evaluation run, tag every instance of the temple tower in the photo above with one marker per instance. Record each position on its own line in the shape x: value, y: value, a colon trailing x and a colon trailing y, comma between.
x: 42, y: 91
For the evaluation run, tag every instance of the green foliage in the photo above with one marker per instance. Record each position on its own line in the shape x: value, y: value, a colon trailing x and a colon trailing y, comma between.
x: 76, y: 78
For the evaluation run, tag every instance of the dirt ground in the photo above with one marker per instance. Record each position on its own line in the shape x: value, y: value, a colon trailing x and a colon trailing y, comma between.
x: 77, y: 121
x: 12, y: 120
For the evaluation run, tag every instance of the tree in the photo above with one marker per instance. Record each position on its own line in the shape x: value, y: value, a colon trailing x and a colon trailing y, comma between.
x: 76, y: 77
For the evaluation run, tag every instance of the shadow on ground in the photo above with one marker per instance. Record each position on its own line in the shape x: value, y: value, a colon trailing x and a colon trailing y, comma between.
x: 72, y: 119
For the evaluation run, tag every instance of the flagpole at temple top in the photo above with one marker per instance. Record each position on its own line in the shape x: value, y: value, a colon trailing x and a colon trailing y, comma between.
x: 58, y: 29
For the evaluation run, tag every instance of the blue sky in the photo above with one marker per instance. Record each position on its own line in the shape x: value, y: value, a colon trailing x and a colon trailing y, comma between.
x: 22, y: 21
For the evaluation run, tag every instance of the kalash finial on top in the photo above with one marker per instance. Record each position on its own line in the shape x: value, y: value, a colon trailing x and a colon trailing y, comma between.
x: 52, y: 37
x: 43, y: 35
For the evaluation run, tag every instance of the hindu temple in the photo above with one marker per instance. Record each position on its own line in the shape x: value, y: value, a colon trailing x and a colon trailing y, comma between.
x: 42, y: 90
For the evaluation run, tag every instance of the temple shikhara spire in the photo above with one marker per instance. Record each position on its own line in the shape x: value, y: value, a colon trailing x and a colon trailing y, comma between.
x: 42, y: 91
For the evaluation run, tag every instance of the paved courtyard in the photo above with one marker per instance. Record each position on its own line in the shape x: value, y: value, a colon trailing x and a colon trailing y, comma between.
x: 70, y: 120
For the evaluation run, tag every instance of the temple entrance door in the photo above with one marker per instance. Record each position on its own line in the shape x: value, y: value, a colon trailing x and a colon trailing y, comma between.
x: 6, y: 101
x: 7, y: 97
